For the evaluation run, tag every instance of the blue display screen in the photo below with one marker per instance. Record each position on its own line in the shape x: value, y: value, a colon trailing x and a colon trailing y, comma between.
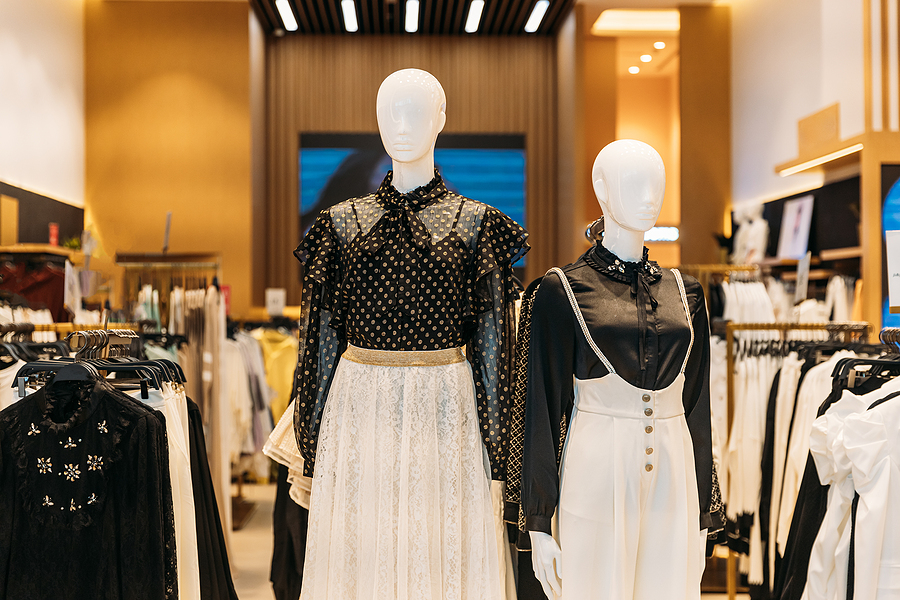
x: 890, y: 221
x: 334, y: 167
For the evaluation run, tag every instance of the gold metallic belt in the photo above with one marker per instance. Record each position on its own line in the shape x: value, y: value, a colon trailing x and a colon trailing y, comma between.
x: 415, y: 358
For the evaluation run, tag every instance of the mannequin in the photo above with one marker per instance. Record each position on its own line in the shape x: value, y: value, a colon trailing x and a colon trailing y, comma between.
x: 410, y: 108
x: 391, y: 416
x: 629, y: 182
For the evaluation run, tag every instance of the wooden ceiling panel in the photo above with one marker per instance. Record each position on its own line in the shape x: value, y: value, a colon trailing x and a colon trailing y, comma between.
x: 436, y: 17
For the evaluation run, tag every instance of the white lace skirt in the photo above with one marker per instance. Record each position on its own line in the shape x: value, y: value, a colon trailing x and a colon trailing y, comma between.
x: 401, y: 504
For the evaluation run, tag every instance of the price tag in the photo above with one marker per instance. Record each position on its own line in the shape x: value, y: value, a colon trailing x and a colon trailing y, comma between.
x: 802, y: 288
x: 892, y: 241
x: 276, y: 299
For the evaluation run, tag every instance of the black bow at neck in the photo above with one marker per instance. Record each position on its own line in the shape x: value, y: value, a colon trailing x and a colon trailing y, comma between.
x: 639, y: 275
x: 400, y: 213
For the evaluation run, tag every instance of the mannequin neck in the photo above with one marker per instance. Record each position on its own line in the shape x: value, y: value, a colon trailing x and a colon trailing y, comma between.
x: 626, y: 244
x: 411, y: 175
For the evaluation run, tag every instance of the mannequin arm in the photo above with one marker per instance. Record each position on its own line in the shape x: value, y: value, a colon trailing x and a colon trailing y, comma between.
x: 546, y: 558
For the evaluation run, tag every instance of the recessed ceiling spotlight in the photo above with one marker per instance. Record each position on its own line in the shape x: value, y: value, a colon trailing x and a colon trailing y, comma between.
x: 659, y: 45
x: 473, y: 20
x: 348, y: 7
x: 646, y: 58
x: 634, y: 70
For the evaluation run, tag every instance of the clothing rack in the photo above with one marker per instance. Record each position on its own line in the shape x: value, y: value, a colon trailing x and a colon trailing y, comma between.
x: 60, y: 328
x: 703, y: 272
x: 849, y: 330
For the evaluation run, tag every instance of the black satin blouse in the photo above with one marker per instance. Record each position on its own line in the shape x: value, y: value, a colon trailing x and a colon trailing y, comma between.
x: 636, y: 317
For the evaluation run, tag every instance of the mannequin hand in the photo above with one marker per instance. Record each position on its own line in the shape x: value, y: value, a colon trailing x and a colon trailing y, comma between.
x: 546, y: 558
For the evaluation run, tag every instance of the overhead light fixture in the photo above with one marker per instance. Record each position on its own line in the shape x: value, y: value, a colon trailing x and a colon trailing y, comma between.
x: 473, y: 20
x: 537, y: 15
x: 412, y: 16
x: 659, y: 45
x: 623, y: 21
x: 348, y: 7
x: 286, y: 14
x: 816, y: 162
x: 646, y: 58
x: 634, y: 70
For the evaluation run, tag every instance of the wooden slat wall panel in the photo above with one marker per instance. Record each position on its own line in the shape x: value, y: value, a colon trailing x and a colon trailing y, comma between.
x: 329, y: 83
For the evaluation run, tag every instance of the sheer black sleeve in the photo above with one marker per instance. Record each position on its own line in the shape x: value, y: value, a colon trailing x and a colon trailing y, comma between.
x: 549, y: 398
x: 696, y: 401
x: 501, y: 242
x: 321, y: 335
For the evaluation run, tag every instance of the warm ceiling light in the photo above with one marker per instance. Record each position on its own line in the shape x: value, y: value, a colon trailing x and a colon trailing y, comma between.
x: 821, y: 160
x: 634, y: 70
x: 646, y: 58
x: 659, y: 45
x: 615, y: 21
x: 473, y: 20
x: 349, y: 9
x: 287, y: 15
x: 412, y: 16
x: 537, y: 15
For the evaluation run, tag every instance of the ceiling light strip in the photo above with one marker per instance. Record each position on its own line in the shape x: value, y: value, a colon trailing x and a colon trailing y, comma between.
x: 287, y: 15
x: 348, y: 7
x: 537, y: 15
x: 473, y: 20
x: 821, y: 160
x: 412, y: 16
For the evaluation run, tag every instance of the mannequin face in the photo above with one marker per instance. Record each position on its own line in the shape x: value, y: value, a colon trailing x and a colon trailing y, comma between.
x: 630, y: 181
x: 410, y: 111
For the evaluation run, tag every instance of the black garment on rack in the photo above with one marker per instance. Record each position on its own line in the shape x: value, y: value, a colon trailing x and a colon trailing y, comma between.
x: 86, y: 497
x: 637, y: 318
x: 289, y: 522
x: 809, y: 512
x: 215, y: 572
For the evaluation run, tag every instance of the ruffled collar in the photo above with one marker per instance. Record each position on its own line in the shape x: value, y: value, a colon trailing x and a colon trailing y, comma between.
x: 389, y: 198
x: 604, y: 261
x: 85, y: 397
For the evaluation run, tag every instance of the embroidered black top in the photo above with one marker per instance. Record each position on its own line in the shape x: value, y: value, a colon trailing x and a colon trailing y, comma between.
x: 86, y: 497
x: 635, y: 315
x: 425, y: 270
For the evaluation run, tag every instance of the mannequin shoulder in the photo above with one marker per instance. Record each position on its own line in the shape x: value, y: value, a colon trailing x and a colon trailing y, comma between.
x: 692, y: 288
x: 345, y: 209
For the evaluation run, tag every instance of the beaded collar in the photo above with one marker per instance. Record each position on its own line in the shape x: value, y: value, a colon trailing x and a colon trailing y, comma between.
x: 604, y: 261
x: 421, y: 197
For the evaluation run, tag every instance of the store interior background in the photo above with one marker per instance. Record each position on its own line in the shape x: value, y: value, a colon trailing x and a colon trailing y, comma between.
x: 119, y: 111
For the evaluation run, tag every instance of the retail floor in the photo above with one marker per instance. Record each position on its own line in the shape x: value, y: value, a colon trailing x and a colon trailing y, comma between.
x: 252, y: 549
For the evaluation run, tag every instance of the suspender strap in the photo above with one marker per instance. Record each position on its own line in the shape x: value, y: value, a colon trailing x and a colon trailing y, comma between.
x: 580, y: 317
x: 687, y: 312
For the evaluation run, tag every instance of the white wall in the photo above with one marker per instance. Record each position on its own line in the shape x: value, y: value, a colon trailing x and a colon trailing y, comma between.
x: 789, y: 60
x: 42, y: 97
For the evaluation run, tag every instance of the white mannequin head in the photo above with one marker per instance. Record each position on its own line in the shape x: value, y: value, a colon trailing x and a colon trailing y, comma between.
x: 630, y: 180
x: 410, y: 108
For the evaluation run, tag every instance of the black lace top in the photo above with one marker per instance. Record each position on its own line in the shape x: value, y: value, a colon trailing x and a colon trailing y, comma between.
x: 85, y: 497
x: 425, y: 270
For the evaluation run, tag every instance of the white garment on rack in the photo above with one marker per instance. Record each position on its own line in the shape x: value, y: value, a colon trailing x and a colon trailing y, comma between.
x: 828, y: 562
x: 8, y: 394
x: 173, y: 405
x: 871, y: 440
x: 813, y: 391
x: 784, y: 409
